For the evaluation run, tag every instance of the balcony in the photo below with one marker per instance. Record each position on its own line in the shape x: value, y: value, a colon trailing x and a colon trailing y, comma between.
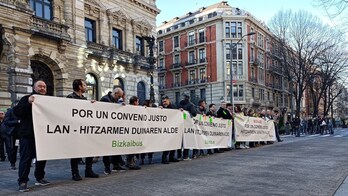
x: 191, y: 63
x: 190, y: 43
x: 197, y: 81
x: 161, y: 69
x: 162, y: 87
x: 253, y: 79
x: 98, y: 49
x: 203, y: 60
x: 120, y: 56
x: 49, y: 29
x: 176, y: 84
x: 176, y: 66
x: 253, y: 62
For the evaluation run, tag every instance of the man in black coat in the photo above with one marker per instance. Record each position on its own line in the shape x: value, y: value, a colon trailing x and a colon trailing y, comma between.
x: 223, y: 112
x: 27, y: 140
x: 113, y: 97
x: 12, y: 124
x: 187, y: 105
x: 167, y: 104
x: 80, y: 87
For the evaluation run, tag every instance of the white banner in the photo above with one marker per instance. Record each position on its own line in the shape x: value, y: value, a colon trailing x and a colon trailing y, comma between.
x: 204, y: 132
x: 70, y: 128
x: 253, y: 129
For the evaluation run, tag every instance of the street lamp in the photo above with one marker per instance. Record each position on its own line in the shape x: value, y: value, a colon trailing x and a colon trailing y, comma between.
x: 234, y: 45
x: 151, y: 61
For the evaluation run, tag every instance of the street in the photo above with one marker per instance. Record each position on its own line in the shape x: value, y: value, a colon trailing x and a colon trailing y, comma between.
x: 306, y: 165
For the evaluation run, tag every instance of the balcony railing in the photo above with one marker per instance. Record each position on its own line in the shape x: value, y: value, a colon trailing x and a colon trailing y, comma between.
x: 162, y: 87
x: 176, y: 84
x: 176, y: 66
x: 202, y: 60
x: 49, y: 28
x: 197, y: 81
x: 191, y: 62
x: 190, y: 43
x: 253, y: 79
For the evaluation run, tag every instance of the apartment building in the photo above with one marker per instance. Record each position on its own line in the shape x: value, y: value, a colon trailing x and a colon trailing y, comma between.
x: 58, y: 41
x: 197, y: 50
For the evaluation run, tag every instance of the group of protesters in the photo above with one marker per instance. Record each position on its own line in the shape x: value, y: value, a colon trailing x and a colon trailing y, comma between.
x: 19, y: 126
x: 309, y: 126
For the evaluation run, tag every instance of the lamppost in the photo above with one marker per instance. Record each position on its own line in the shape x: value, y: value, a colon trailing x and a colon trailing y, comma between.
x: 234, y: 45
x: 151, y: 60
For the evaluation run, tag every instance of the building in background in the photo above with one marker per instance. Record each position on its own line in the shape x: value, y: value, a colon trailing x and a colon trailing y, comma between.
x: 59, y: 41
x: 194, y: 56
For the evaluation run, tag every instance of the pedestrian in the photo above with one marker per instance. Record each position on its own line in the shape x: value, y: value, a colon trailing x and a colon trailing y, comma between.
x: 11, y: 123
x: 188, y: 106
x: 80, y: 87
x: 212, y: 110
x: 131, y: 161
x: 23, y: 111
x: 167, y: 104
x: 116, y: 160
x: 330, y: 126
x: 2, y: 138
x: 275, y: 116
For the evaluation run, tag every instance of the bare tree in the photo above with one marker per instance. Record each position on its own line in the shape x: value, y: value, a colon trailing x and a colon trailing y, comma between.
x: 303, y: 39
x: 336, y: 10
x: 331, y: 65
x: 333, y: 8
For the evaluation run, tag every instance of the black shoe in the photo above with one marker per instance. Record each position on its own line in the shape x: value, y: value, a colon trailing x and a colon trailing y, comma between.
x: 165, y: 161
x: 13, y: 167
x: 23, y: 187
x: 280, y: 140
x: 42, y: 182
x: 173, y: 160
x: 3, y: 158
x: 118, y: 168
x: 76, y: 177
x: 107, y: 171
x: 135, y: 167
x: 90, y: 174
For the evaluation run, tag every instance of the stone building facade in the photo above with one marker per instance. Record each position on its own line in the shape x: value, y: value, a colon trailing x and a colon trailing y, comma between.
x: 58, y: 41
x: 196, y: 51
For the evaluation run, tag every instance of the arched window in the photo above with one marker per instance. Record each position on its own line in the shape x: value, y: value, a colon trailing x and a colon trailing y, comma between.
x: 92, y: 87
x: 118, y: 83
x: 141, y: 92
x: 42, y: 72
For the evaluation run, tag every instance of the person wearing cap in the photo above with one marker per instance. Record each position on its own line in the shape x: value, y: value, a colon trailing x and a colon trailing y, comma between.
x: 188, y: 106
x: 166, y: 103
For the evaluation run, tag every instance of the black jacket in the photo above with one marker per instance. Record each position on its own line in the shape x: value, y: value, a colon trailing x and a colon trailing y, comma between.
x: 11, y: 122
x: 23, y: 111
x: 223, y: 113
x: 188, y: 106
x: 108, y: 98
x: 170, y: 106
x: 76, y: 96
x: 210, y: 113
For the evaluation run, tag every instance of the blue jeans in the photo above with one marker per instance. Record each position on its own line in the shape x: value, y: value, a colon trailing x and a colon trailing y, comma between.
x: 27, y: 154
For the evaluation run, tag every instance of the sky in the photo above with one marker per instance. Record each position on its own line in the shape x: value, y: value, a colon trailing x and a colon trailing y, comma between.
x: 261, y: 9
